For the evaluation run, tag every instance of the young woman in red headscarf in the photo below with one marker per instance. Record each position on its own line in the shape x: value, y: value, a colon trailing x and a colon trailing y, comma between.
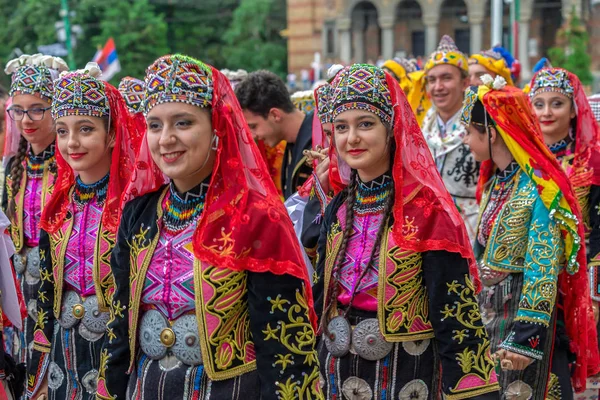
x: 572, y: 134
x: 398, y: 310
x: 535, y: 301
x: 212, y: 298
x: 95, y: 139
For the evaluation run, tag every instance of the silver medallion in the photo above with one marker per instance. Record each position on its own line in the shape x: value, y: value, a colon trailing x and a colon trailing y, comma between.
x: 338, y: 340
x: 89, y: 335
x: 19, y: 263
x: 369, y: 342
x: 169, y: 363
x: 55, y: 376
x: 355, y: 388
x: 416, y: 348
x: 518, y: 390
x: 32, y: 309
x: 151, y: 326
x: 67, y: 319
x: 90, y: 381
x: 414, y: 390
x: 187, y: 340
x: 33, y: 262
x: 94, y: 319
x: 30, y: 279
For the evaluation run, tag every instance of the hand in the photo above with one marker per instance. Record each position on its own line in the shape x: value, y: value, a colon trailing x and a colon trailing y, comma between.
x: 510, y: 361
x: 42, y: 392
x: 595, y: 309
x: 322, y: 172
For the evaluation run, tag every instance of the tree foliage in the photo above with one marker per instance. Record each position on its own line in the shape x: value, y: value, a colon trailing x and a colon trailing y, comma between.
x: 225, y: 33
x: 571, y: 52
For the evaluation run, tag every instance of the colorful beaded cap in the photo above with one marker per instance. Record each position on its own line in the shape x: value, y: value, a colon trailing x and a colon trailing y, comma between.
x: 133, y: 91
x: 552, y: 80
x: 447, y: 53
x: 362, y: 87
x: 304, y: 101
x: 323, y: 101
x: 80, y: 93
x: 178, y: 79
x: 468, y: 104
x: 34, y: 75
x: 493, y: 62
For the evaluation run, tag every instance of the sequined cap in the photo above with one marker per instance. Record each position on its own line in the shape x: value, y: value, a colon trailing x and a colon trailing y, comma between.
x: 447, y: 53
x: 323, y: 101
x: 34, y: 74
x: 552, y: 80
x: 361, y: 87
x: 178, y: 79
x: 80, y: 93
x: 468, y: 104
x: 304, y: 101
x: 132, y: 90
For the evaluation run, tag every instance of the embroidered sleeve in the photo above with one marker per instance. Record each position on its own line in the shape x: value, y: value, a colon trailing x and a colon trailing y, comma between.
x: 283, y: 337
x: 114, y: 357
x: 594, y: 242
x: 44, y: 326
x: 543, y: 258
x: 463, y: 344
x: 311, y: 226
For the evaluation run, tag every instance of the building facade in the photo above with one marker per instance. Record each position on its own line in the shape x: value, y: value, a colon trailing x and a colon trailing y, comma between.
x: 348, y: 31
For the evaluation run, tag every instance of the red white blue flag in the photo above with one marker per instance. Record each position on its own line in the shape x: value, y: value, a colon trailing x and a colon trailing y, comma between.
x: 107, y: 60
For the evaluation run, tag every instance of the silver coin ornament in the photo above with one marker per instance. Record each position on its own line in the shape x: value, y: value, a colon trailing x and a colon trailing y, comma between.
x: 187, y: 340
x: 67, y: 319
x: 33, y: 262
x: 338, y: 340
x: 369, y: 342
x: 94, y: 319
x: 55, y: 376
x: 414, y: 390
x: 19, y: 263
x: 90, y: 381
x: 89, y: 335
x: 32, y: 309
x: 355, y: 388
x: 151, y: 325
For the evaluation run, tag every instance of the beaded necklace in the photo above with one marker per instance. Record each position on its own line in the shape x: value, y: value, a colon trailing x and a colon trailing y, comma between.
x: 561, y: 148
x: 85, y: 193
x: 371, y: 196
x: 181, y: 209
x: 35, y: 164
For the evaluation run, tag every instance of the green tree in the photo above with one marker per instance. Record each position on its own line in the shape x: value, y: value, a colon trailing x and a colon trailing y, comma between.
x: 571, y: 52
x: 253, y: 40
x: 139, y: 33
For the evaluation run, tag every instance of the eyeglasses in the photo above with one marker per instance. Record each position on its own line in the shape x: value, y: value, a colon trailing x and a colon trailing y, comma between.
x: 34, y: 114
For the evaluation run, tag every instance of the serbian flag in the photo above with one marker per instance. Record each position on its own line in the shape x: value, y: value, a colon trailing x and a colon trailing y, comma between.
x: 107, y: 59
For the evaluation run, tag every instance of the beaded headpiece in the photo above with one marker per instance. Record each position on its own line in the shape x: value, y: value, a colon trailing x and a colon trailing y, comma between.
x: 178, y: 79
x: 34, y: 74
x: 494, y: 62
x: 80, y: 93
x: 304, y: 101
x: 447, y: 53
x: 132, y: 90
x: 361, y: 87
x: 468, y: 104
x: 323, y: 101
x: 552, y: 80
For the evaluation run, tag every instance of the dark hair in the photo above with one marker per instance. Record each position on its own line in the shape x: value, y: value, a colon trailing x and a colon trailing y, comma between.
x: 261, y: 91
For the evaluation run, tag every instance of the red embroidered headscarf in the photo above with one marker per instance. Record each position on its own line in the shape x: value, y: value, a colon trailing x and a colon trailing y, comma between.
x: 81, y: 93
x: 586, y: 163
x: 510, y: 110
x: 244, y: 225
x: 425, y: 216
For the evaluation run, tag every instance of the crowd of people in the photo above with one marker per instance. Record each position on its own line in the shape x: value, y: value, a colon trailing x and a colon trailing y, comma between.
x: 397, y: 233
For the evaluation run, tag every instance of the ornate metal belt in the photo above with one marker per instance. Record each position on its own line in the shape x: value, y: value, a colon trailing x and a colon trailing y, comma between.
x: 28, y: 261
x: 160, y: 338
x: 75, y: 309
x: 365, y: 339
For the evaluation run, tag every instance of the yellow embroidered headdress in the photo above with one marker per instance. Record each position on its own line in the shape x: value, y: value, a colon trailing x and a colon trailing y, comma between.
x: 400, y: 68
x: 493, y: 62
x: 447, y: 53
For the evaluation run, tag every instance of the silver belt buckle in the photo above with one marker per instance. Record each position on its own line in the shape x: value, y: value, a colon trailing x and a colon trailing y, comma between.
x: 152, y: 325
x: 368, y: 341
x: 187, y: 341
x: 19, y: 263
x: 338, y: 340
x: 33, y: 262
x: 70, y: 303
x: 93, y: 319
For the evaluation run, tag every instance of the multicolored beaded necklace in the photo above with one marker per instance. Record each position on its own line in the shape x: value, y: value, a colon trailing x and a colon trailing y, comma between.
x: 181, y: 209
x: 35, y: 164
x: 85, y: 193
x: 501, y: 190
x: 562, y: 148
x: 371, y: 196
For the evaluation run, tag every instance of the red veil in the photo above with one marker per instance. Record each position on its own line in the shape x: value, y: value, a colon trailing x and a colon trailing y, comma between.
x: 127, y: 141
x: 425, y: 216
x: 244, y: 225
